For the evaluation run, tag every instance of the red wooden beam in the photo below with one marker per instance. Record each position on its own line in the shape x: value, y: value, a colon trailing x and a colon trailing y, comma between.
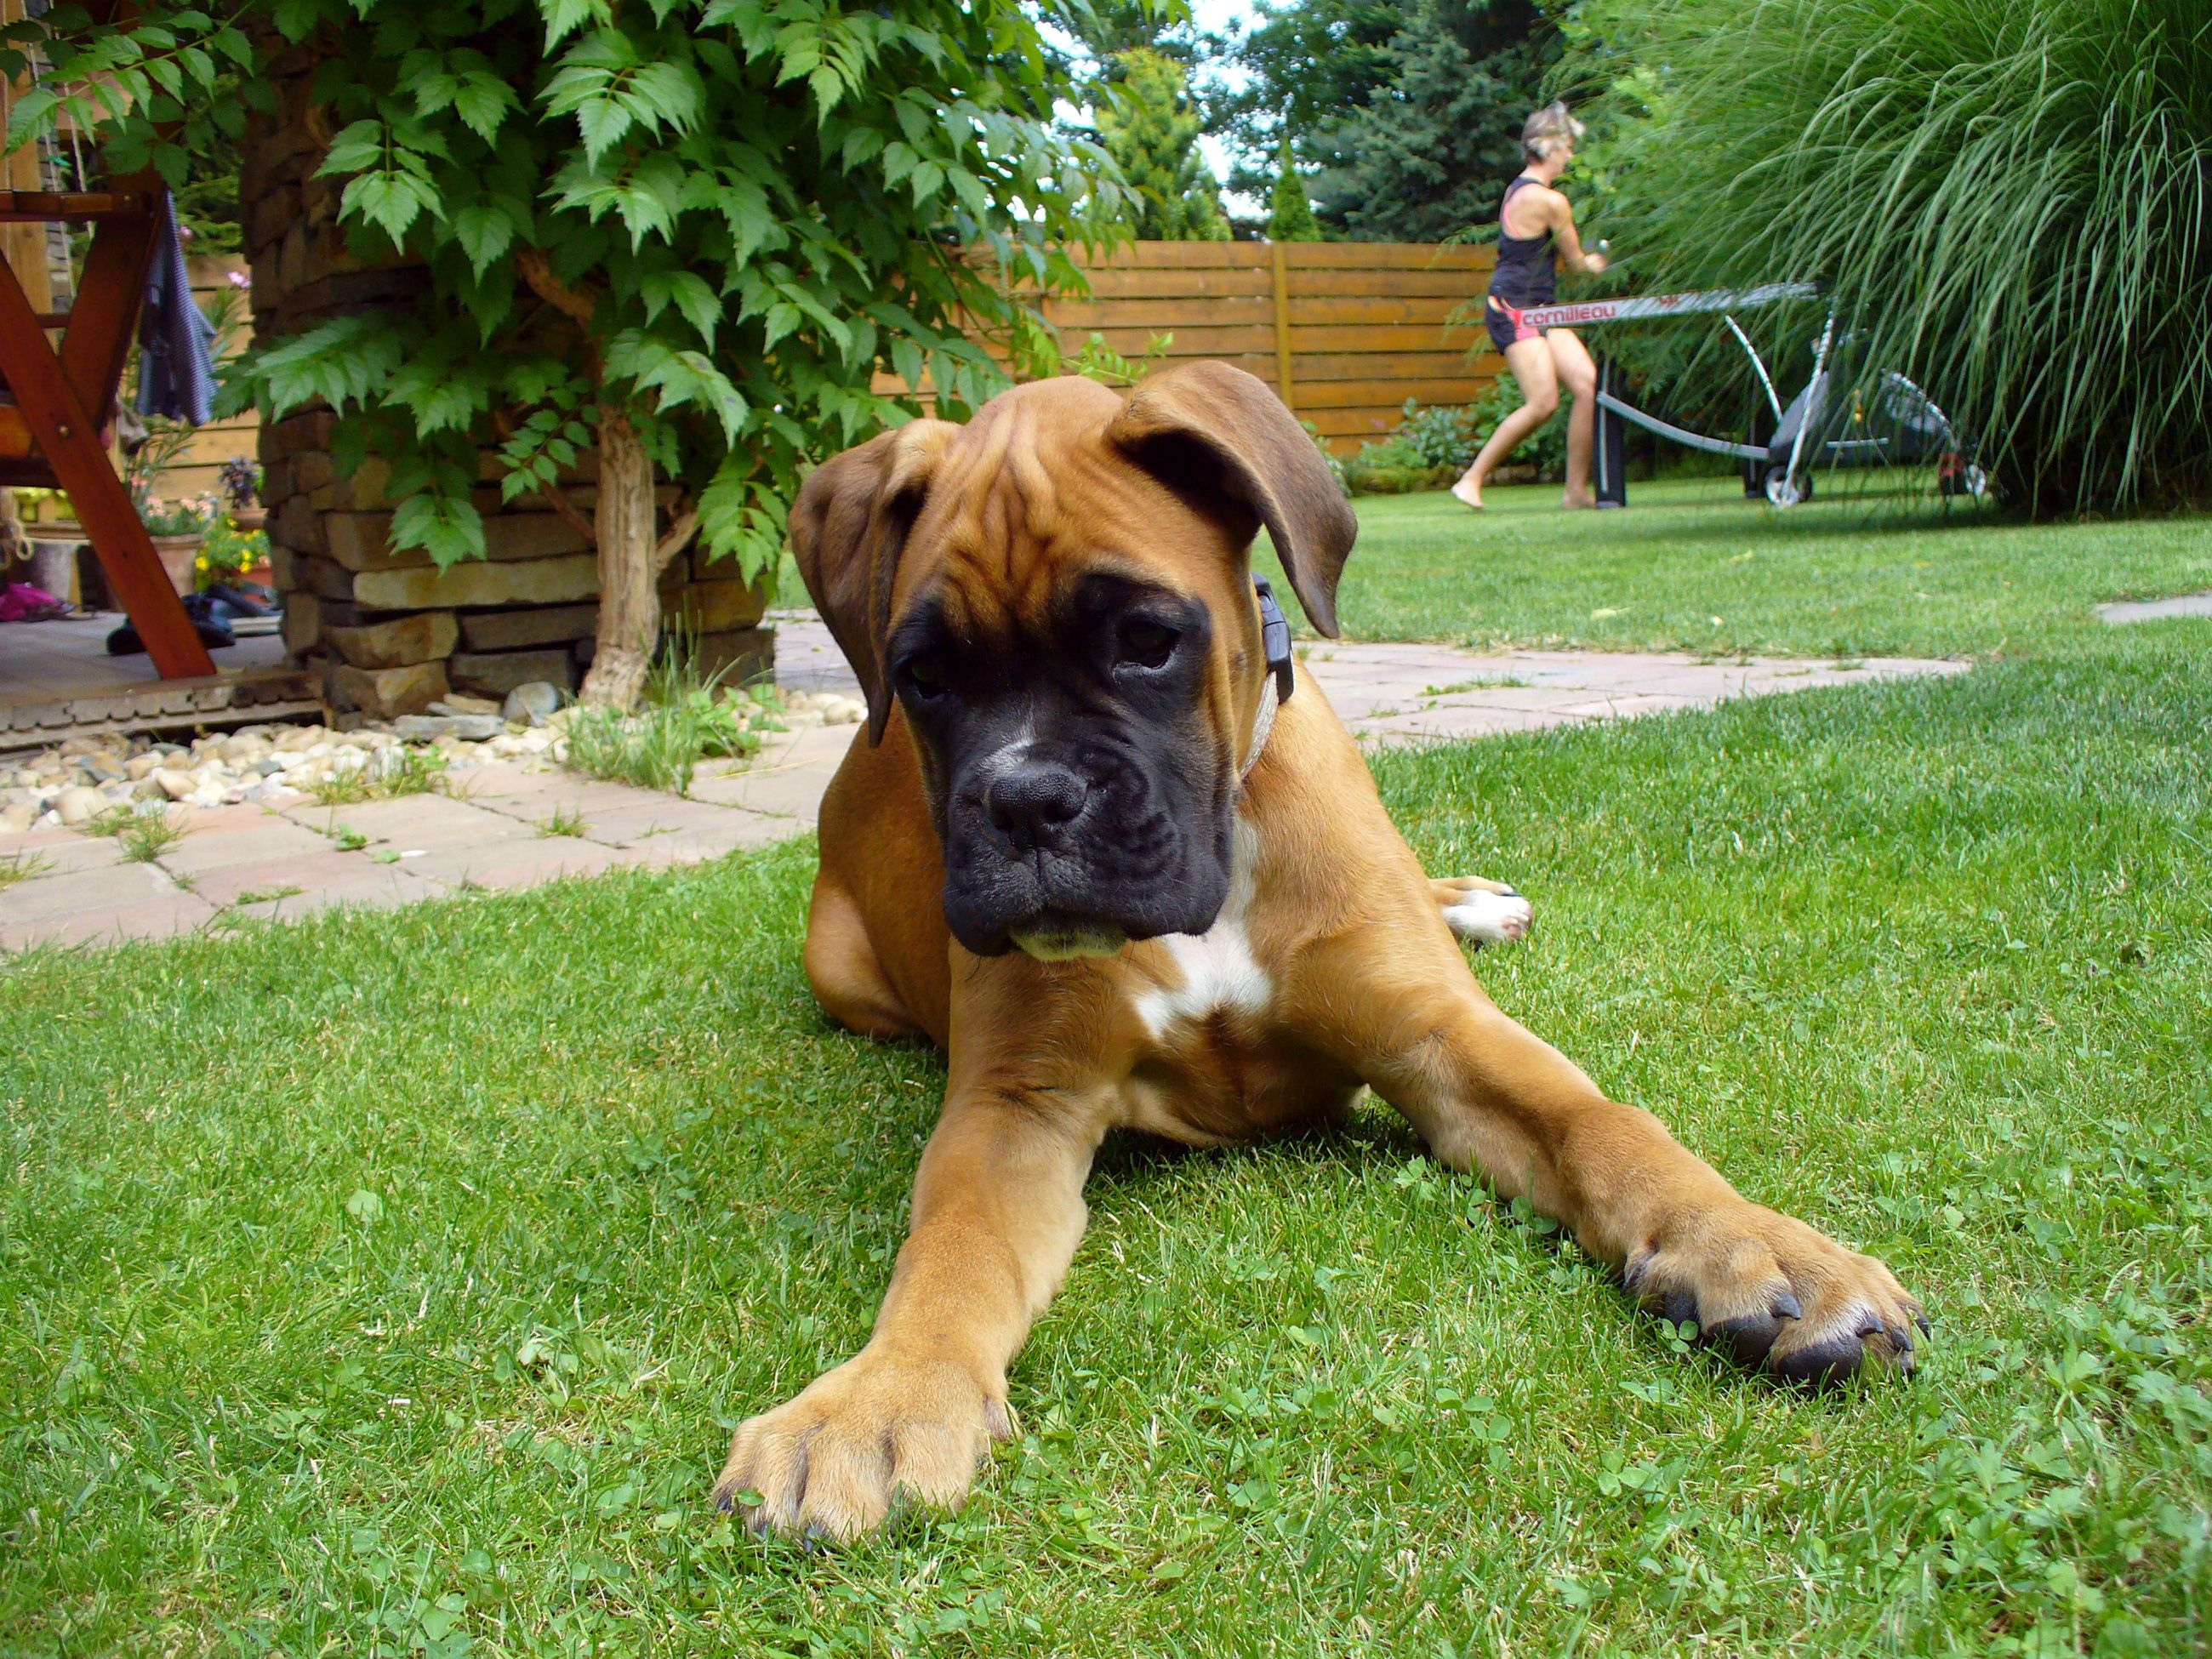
x: 67, y: 432
x: 105, y: 313
x: 24, y: 207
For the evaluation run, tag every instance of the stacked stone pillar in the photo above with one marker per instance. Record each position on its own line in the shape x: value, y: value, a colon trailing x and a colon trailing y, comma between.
x: 390, y: 631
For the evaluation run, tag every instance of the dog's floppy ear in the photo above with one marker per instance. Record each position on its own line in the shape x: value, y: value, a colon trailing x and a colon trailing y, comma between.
x: 1213, y: 433
x: 848, y: 527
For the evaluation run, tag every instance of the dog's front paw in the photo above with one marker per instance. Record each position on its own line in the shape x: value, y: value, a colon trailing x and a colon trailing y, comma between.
x: 1777, y: 1293
x: 1482, y: 912
x: 830, y: 1462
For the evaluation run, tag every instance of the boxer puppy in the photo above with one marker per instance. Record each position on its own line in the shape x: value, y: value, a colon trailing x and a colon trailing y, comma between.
x: 1088, y: 845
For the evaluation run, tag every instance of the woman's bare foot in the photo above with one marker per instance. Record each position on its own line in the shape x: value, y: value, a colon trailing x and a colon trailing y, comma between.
x: 1575, y: 504
x: 1469, y: 492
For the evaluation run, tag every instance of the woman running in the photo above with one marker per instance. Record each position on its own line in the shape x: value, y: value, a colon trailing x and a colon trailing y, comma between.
x: 1533, y: 219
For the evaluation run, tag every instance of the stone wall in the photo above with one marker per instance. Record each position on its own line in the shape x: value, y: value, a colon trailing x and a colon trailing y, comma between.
x: 390, y: 632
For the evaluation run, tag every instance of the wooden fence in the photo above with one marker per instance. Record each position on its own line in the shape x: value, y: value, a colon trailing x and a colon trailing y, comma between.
x: 1345, y: 331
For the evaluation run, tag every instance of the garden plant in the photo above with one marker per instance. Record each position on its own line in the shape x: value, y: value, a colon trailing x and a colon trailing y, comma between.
x: 676, y: 238
x: 2010, y: 203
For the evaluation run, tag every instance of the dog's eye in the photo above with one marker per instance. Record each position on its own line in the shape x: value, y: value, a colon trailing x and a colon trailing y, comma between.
x: 1146, y: 643
x: 925, y: 677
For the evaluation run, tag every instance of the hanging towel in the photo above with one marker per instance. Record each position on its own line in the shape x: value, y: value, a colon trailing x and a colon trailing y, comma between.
x: 176, y: 356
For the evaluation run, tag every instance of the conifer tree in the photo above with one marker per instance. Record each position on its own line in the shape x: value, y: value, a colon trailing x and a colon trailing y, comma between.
x: 1293, y: 219
x: 1148, y: 125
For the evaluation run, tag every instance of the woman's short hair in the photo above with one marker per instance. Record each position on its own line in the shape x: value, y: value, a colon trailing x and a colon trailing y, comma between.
x: 1544, y: 133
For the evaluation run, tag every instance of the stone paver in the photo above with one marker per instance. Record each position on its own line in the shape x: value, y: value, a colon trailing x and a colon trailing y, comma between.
x: 281, y: 882
x: 2136, y: 610
x: 366, y: 887
x: 250, y: 862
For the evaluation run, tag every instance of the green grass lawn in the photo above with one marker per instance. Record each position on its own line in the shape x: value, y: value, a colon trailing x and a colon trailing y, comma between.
x: 1690, y: 565
x: 392, y: 1283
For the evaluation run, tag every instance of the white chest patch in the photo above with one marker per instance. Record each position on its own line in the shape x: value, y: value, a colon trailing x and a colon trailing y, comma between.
x: 1218, y: 966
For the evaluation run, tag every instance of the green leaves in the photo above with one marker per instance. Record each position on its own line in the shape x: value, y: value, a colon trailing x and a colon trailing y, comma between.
x: 447, y: 527
x: 733, y: 215
x: 485, y: 230
x: 464, y: 82
x: 611, y: 90
x: 342, y: 362
x: 104, y: 73
x: 441, y: 394
x: 393, y: 164
x: 741, y: 517
x: 685, y: 379
x: 687, y: 290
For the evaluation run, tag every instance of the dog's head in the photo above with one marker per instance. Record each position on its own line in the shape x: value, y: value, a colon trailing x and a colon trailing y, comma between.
x: 1059, y: 595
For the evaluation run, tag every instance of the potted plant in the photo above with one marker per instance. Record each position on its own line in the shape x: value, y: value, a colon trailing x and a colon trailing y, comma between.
x: 47, y: 515
x: 230, y: 550
x: 177, y: 528
x: 241, y: 489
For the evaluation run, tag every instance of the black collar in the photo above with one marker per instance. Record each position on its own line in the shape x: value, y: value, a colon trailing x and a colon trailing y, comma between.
x: 1275, y: 639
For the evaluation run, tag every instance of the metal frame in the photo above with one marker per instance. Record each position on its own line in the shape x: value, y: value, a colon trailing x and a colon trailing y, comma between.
x: 1785, y: 483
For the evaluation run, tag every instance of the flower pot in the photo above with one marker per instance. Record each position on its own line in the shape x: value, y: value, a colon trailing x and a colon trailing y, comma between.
x: 249, y: 518
x: 259, y: 573
x: 177, y: 555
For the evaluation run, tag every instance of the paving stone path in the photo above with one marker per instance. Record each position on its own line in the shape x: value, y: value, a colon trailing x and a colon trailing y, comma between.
x: 2136, y: 610
x: 507, y: 826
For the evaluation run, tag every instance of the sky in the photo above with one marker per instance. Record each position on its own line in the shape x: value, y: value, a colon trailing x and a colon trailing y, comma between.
x: 1220, y: 18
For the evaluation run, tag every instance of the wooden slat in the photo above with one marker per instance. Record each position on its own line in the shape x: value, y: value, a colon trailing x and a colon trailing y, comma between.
x: 1336, y: 284
x: 1325, y: 311
x: 1383, y: 255
x: 1143, y: 282
x: 1371, y: 422
x: 1210, y: 311
x: 1223, y: 310
x: 1286, y: 386
x: 1421, y: 365
x: 78, y: 207
x: 1430, y: 311
x: 1386, y: 393
x: 1258, y: 341
x: 1183, y: 256
x: 1418, y: 336
x: 211, y: 446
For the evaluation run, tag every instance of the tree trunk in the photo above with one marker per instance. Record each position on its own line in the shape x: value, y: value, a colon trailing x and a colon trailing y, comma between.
x: 631, y: 563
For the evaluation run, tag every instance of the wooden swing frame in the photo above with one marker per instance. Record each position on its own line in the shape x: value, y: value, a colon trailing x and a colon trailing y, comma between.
x: 54, y: 435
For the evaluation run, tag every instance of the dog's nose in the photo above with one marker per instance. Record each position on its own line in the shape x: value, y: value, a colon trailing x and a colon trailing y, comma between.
x: 1031, y: 803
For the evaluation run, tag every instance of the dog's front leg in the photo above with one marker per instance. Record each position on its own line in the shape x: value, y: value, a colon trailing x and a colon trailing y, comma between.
x: 998, y: 1210
x: 1488, y: 1095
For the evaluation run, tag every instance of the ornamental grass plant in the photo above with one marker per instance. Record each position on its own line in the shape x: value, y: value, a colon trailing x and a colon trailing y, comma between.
x: 2009, y: 201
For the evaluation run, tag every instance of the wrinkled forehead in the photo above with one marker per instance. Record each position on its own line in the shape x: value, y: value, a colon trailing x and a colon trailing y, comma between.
x: 1030, y: 508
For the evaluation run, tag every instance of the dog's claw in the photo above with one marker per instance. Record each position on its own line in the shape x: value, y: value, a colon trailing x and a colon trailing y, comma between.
x: 1633, y: 1276
x: 1787, y: 1306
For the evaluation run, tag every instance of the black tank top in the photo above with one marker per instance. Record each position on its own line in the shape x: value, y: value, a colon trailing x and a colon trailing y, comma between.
x: 1526, y: 273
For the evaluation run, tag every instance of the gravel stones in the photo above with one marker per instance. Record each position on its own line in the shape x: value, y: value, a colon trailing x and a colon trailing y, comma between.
x: 534, y: 703
x: 79, y: 804
x: 470, y: 728
x: 85, y: 777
